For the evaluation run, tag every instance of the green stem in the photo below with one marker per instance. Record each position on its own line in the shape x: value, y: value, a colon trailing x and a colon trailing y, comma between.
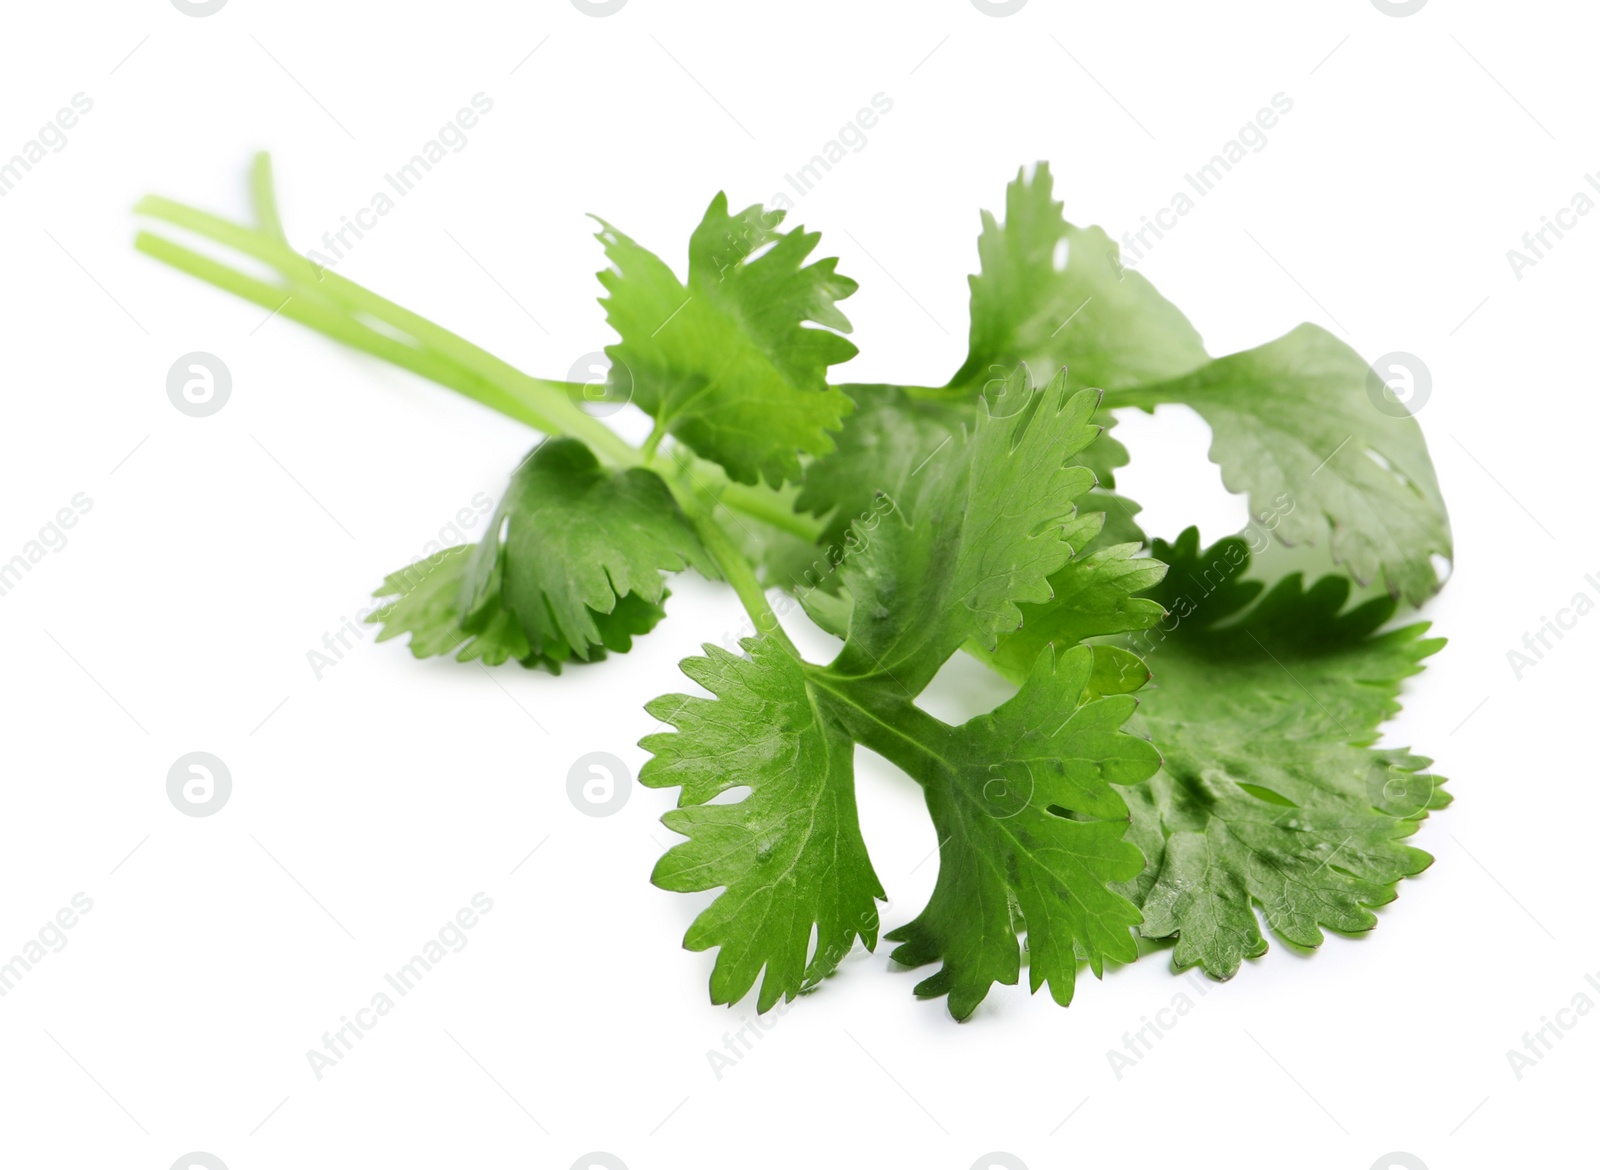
x: 544, y: 404
x: 737, y: 571
x: 765, y: 505
x: 265, y: 198
x: 334, y: 306
x: 339, y: 326
x: 657, y: 433
x: 888, y: 723
x: 754, y: 500
x: 328, y: 303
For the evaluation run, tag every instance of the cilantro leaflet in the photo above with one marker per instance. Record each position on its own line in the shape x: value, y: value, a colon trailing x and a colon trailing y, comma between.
x: 1270, y: 794
x: 726, y: 362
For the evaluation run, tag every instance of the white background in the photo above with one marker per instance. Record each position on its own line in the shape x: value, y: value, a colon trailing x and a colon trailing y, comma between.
x: 370, y: 805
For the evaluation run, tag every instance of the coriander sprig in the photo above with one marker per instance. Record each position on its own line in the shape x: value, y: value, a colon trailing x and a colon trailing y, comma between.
x: 913, y: 522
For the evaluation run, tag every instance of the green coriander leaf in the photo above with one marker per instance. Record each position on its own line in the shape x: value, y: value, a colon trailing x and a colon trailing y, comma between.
x: 999, y: 789
x: 1271, y: 795
x: 1094, y: 595
x: 427, y: 604
x: 883, y: 444
x: 789, y: 856
x: 1030, y: 828
x: 1294, y: 424
x: 978, y: 529
x: 727, y: 361
x: 570, y: 540
x: 892, y: 433
x: 1103, y: 457
x: 1052, y: 295
x: 829, y: 609
x: 1116, y: 672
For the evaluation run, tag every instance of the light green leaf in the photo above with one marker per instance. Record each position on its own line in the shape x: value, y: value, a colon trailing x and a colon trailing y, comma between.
x: 1093, y: 597
x: 426, y: 602
x: 1294, y: 424
x: 1053, y: 295
x: 884, y: 443
x: 728, y: 361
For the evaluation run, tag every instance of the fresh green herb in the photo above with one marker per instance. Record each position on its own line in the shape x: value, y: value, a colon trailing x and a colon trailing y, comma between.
x: 725, y: 362
x: 915, y: 522
x: 1270, y: 792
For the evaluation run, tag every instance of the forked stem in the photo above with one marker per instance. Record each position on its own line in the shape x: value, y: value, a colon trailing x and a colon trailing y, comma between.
x: 346, y: 311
